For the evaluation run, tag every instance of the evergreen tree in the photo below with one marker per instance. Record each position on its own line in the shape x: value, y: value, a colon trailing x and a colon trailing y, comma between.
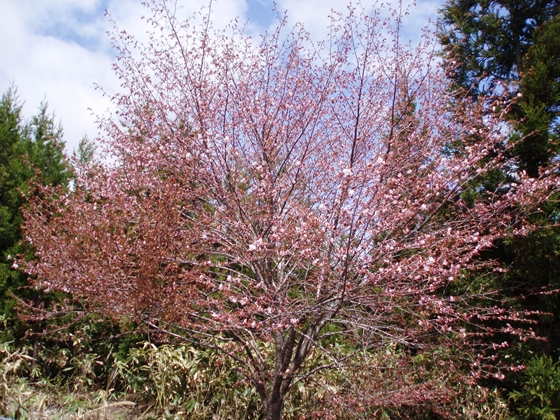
x: 490, y: 38
x: 511, y: 50
x: 28, y: 150
x: 536, y: 113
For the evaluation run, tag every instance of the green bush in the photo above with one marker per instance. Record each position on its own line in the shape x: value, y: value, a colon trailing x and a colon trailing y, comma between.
x: 539, y: 395
x: 184, y: 381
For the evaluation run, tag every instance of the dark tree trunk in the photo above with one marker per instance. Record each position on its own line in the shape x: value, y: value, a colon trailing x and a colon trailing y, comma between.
x: 291, y: 351
x: 274, y: 409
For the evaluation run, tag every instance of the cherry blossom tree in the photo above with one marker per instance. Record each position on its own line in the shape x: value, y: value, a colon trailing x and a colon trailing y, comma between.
x: 273, y: 194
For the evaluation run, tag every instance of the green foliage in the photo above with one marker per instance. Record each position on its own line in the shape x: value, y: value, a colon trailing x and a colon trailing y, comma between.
x: 31, y: 150
x: 44, y: 399
x: 509, y: 50
x: 533, y: 279
x: 13, y: 173
x: 488, y: 39
x: 539, y: 395
x: 537, y: 110
x: 85, y: 152
x: 13, y: 363
x: 185, y: 381
x: 500, y: 48
x: 149, y: 381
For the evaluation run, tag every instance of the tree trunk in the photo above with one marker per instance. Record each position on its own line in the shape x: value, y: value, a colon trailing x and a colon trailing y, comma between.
x: 35, y: 352
x: 274, y: 409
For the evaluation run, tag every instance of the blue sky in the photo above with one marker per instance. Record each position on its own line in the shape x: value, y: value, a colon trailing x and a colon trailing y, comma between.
x: 72, y: 28
x: 58, y: 50
x: 260, y: 11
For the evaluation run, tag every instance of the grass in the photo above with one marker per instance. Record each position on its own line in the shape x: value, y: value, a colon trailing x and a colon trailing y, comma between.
x: 176, y: 382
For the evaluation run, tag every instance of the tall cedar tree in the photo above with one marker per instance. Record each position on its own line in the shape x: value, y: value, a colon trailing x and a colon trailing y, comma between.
x: 511, y: 50
x: 28, y: 151
x: 263, y: 199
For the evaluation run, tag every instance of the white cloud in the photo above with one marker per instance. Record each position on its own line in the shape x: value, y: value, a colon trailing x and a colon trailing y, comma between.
x: 59, y: 49
x: 47, y: 56
x: 314, y: 14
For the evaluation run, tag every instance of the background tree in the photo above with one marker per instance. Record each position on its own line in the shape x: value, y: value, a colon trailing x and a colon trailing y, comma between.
x: 263, y: 200
x: 505, y: 49
x: 489, y: 39
x: 511, y: 50
x: 32, y: 150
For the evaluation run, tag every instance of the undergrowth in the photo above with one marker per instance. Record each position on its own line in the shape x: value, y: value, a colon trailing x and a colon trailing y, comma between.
x: 143, y: 380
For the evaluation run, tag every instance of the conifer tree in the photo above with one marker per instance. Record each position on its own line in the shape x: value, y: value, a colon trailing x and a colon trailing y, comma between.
x: 28, y: 150
x: 510, y: 50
